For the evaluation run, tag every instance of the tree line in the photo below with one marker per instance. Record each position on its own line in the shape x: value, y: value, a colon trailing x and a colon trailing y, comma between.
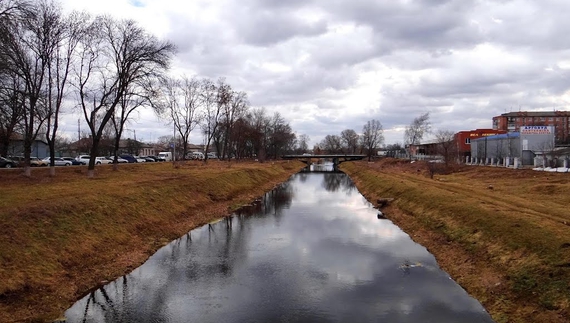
x: 350, y: 142
x: 107, y: 69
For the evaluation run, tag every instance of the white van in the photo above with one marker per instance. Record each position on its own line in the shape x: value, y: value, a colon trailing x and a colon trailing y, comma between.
x: 197, y: 155
x: 165, y: 156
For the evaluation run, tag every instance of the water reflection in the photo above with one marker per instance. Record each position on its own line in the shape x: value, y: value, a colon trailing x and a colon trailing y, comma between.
x: 312, y: 250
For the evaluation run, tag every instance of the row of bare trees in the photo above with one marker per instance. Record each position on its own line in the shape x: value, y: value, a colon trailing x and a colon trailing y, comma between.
x: 106, y: 67
x: 227, y: 122
x: 109, y: 68
x: 350, y: 142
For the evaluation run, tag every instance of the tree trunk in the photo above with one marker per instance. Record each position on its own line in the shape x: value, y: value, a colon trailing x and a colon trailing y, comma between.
x: 94, y: 153
x: 51, y: 144
x: 116, y: 153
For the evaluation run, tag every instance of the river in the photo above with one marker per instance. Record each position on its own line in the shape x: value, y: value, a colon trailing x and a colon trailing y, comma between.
x: 312, y: 250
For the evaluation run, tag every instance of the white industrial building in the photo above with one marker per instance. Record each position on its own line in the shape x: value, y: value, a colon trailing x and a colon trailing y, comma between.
x: 533, y: 145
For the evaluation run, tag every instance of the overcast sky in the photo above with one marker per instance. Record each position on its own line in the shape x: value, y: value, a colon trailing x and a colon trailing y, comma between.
x: 330, y: 65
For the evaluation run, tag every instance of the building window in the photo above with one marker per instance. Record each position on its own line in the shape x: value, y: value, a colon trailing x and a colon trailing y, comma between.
x: 550, y: 119
x: 541, y: 118
x: 467, y: 141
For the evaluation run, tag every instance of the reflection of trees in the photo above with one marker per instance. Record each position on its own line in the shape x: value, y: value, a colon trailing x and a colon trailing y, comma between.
x: 332, y: 182
x: 272, y: 202
x: 189, y: 261
x: 303, y: 174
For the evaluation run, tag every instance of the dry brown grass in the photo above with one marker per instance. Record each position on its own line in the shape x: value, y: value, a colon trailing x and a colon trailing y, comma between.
x: 62, y: 236
x: 503, y: 234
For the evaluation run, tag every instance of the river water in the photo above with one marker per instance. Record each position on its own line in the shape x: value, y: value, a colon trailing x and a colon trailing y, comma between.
x: 312, y: 250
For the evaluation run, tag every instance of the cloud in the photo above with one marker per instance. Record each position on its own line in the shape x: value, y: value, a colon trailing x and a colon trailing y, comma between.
x: 330, y: 65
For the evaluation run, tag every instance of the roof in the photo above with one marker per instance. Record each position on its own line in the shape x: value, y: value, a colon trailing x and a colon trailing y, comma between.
x: 536, y: 114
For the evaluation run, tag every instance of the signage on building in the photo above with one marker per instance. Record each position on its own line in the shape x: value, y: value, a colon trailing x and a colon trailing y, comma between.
x: 536, y: 130
x: 481, y: 135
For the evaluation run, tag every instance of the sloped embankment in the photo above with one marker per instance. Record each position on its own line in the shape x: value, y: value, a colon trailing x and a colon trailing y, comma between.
x: 62, y: 236
x: 498, y: 232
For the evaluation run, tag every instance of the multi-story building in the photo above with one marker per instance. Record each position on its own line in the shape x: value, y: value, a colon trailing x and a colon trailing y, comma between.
x: 513, y: 121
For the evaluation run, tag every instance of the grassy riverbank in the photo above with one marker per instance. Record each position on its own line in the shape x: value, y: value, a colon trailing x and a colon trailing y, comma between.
x: 62, y: 236
x: 503, y: 234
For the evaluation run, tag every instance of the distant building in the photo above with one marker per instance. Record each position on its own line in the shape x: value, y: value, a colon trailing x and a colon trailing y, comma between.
x: 513, y: 121
x: 463, y: 139
x: 529, y: 142
x: 40, y: 148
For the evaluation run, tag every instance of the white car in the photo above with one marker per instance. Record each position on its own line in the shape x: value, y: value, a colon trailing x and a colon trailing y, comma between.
x: 119, y: 160
x: 102, y: 160
x: 139, y: 159
x: 83, y: 159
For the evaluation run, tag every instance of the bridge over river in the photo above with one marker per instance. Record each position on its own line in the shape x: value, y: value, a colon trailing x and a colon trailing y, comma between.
x: 337, y: 159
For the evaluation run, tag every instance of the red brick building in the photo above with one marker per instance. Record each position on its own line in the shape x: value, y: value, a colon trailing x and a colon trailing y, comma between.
x: 463, y: 138
x: 513, y: 121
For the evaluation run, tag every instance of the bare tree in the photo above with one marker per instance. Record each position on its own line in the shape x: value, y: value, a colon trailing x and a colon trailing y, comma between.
x: 115, y: 56
x: 13, y: 97
x: 303, y: 143
x: 183, y: 99
x: 65, y: 33
x: 214, y: 99
x: 419, y: 127
x: 133, y: 98
x: 23, y: 55
x: 372, y: 136
x: 235, y: 109
x: 260, y: 125
x: 349, y: 139
x: 446, y: 146
x: 11, y: 110
x: 331, y: 143
x: 281, y: 136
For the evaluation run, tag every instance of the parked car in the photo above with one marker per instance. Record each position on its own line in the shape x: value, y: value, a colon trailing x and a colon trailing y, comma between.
x: 129, y: 158
x: 7, y: 163
x: 212, y: 155
x: 148, y: 159
x: 83, y: 159
x: 18, y: 160
x: 36, y: 162
x: 72, y: 160
x: 119, y: 159
x: 102, y: 160
x: 58, y: 161
x: 140, y: 159
x: 155, y: 158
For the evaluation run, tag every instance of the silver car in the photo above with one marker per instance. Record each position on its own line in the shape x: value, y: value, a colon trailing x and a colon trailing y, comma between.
x: 58, y: 161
